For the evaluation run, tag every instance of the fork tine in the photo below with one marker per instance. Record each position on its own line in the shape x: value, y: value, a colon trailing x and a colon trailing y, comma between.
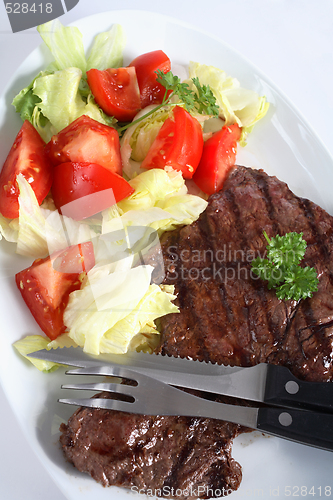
x: 106, y: 404
x: 102, y: 386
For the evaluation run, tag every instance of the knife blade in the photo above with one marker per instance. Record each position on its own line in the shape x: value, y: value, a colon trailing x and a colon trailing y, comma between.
x: 270, y: 384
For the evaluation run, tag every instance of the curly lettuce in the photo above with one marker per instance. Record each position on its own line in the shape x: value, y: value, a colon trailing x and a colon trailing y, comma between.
x: 60, y: 94
x: 237, y: 104
x: 108, y: 311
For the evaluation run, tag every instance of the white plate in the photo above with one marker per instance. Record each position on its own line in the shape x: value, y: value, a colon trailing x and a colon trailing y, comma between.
x: 282, y: 144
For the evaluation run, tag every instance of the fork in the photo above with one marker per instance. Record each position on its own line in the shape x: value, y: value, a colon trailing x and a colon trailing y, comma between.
x: 148, y: 396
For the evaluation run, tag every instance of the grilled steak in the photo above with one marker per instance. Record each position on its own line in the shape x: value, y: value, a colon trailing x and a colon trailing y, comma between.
x: 226, y: 316
x: 174, y: 457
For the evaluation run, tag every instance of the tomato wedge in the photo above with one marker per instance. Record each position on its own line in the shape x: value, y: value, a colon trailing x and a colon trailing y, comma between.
x: 86, y: 139
x: 74, y: 259
x: 116, y: 90
x: 26, y: 156
x: 82, y: 189
x: 178, y: 144
x: 218, y: 156
x: 151, y: 92
x: 46, y: 290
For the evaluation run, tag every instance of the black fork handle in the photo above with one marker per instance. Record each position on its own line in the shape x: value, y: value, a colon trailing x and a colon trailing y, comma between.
x: 306, y: 427
x: 284, y: 389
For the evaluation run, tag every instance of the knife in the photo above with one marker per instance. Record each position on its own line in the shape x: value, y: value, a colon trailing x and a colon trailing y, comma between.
x: 269, y: 384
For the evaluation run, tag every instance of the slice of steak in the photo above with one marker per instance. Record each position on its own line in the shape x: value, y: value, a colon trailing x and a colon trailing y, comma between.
x: 172, y: 457
x: 227, y: 315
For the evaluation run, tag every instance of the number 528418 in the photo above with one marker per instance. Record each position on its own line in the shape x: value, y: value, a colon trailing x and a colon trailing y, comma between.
x: 24, y: 8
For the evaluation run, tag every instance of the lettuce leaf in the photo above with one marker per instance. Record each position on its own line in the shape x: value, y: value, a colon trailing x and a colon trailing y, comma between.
x: 181, y: 209
x: 237, y: 104
x: 31, y: 239
x: 105, y: 314
x: 60, y: 94
x: 152, y: 186
x: 138, y: 138
x: 8, y: 229
x: 263, y: 108
x: 159, y: 203
x: 144, y: 133
x: 61, y: 101
x: 155, y: 303
x: 54, y: 99
x: 160, y: 200
x: 65, y: 44
x: 33, y: 343
x: 26, y: 103
x: 107, y: 49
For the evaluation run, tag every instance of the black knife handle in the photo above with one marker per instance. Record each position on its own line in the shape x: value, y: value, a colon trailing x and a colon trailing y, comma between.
x: 306, y: 427
x: 283, y: 389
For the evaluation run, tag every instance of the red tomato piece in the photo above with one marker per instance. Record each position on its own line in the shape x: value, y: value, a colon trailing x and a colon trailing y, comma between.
x: 218, y: 156
x: 46, y: 290
x: 27, y: 156
x: 86, y: 139
x: 117, y: 92
x: 74, y: 259
x: 151, y: 91
x: 82, y: 189
x: 178, y: 144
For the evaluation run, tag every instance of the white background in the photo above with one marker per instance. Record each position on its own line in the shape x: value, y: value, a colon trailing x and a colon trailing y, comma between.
x: 291, y: 41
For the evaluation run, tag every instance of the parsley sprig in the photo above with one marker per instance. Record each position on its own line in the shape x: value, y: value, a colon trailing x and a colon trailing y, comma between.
x: 201, y: 100
x: 281, y: 268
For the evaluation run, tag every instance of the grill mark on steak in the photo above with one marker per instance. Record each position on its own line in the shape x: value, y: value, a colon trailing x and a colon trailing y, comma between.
x: 185, y: 454
x: 235, y: 321
x: 202, y: 344
x: 264, y: 189
x: 285, y: 334
x: 273, y: 326
x: 233, y: 210
x: 310, y: 215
